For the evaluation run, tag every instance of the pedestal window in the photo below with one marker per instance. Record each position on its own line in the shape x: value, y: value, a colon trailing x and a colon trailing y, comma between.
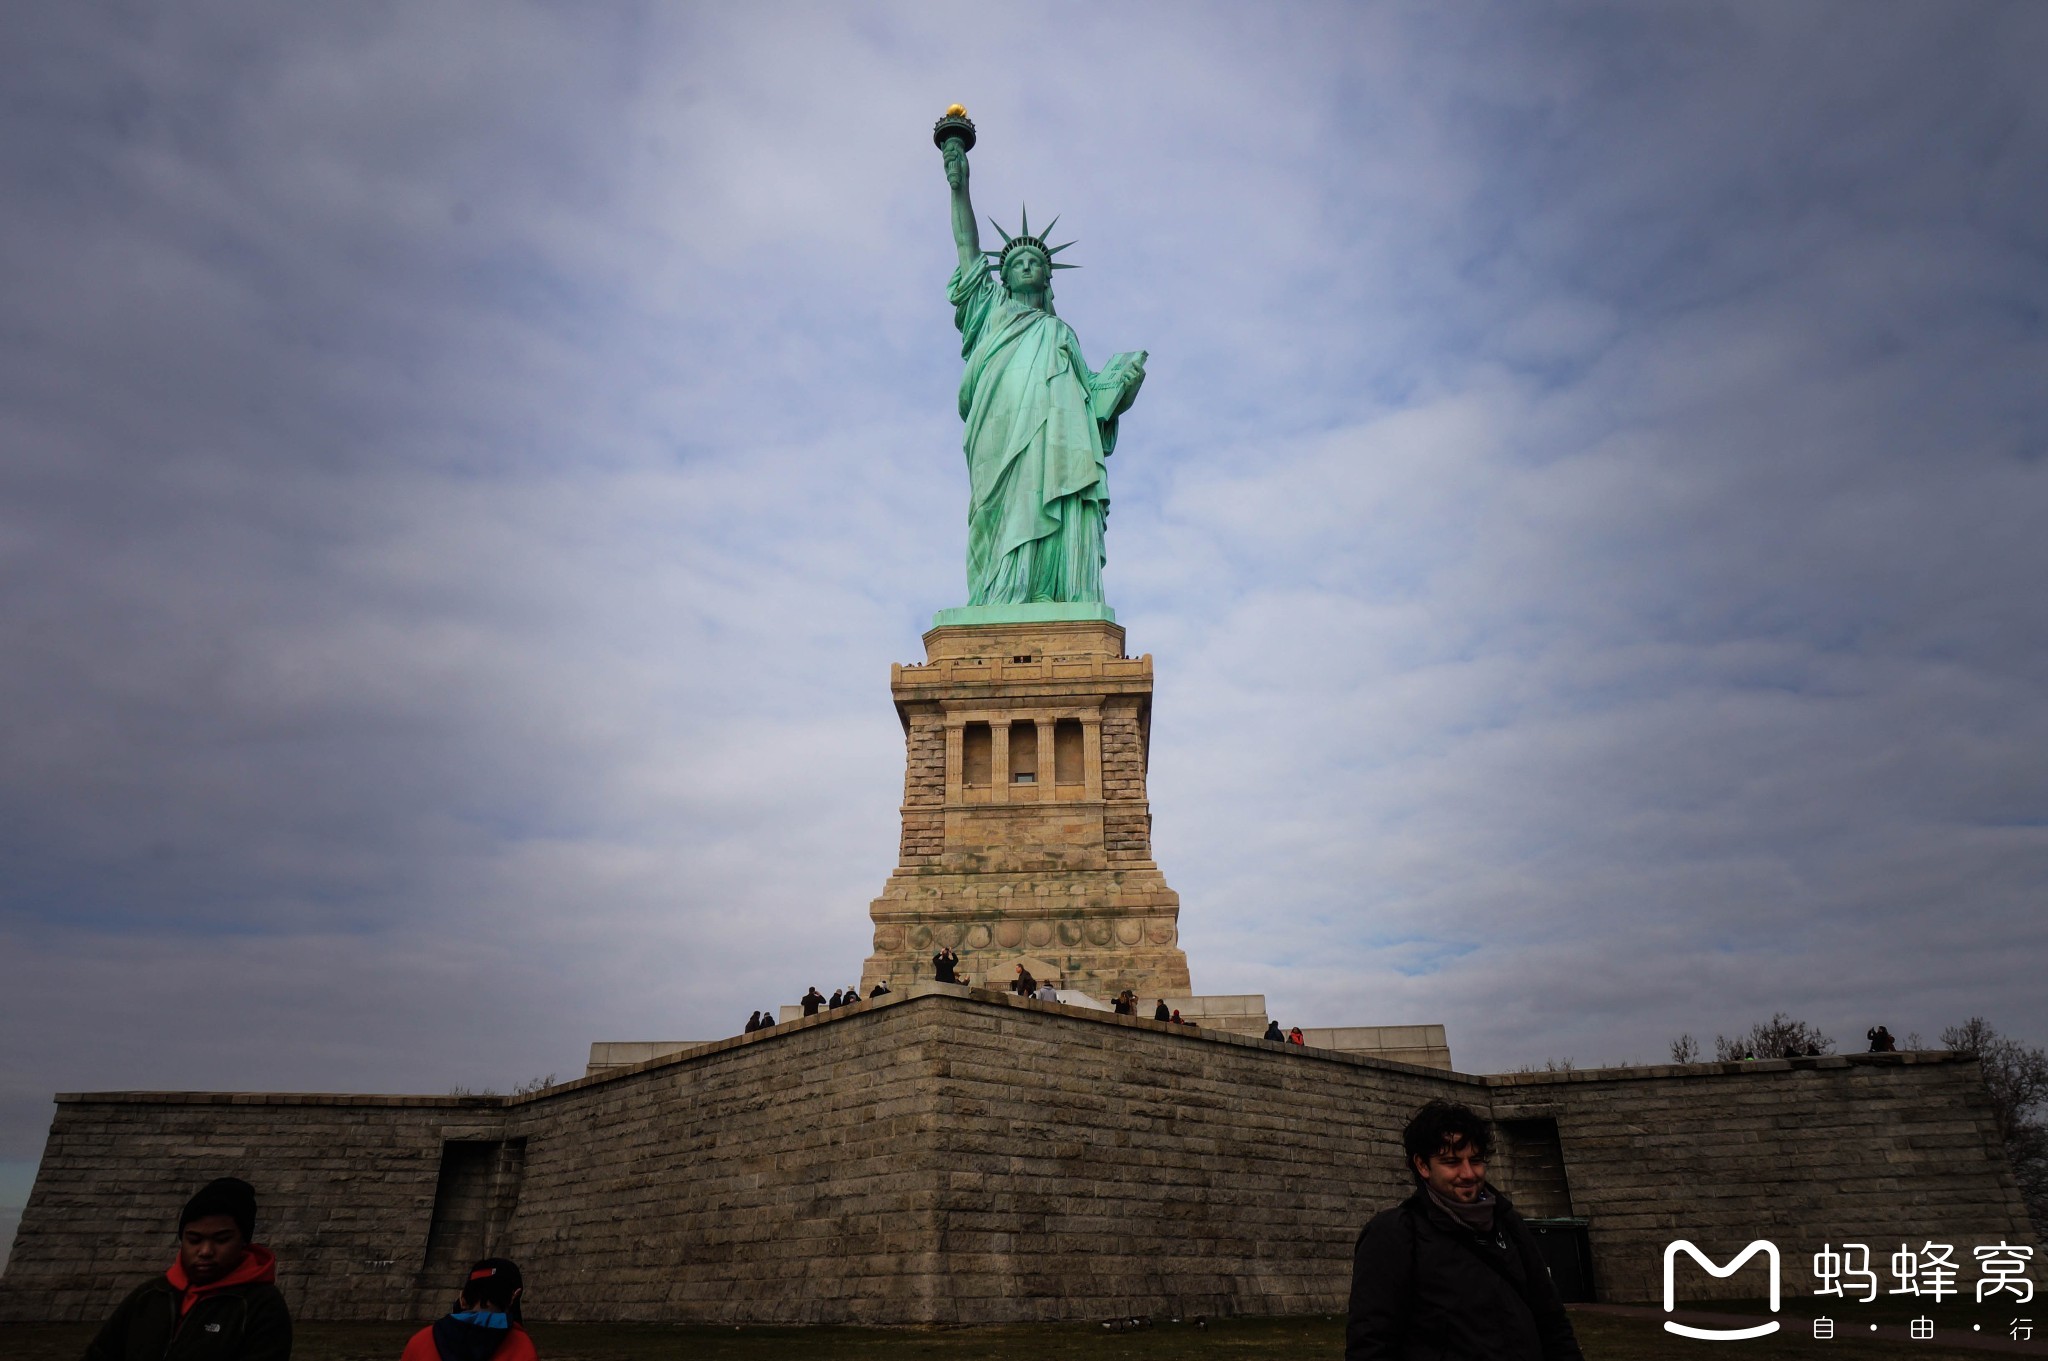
x: 977, y: 752
x: 1023, y: 752
x: 1067, y: 755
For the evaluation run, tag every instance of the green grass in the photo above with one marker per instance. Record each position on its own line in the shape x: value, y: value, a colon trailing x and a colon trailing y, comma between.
x: 1605, y: 1337
x: 1231, y: 1340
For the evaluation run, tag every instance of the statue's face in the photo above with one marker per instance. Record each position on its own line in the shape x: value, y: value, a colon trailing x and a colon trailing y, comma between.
x: 1025, y: 271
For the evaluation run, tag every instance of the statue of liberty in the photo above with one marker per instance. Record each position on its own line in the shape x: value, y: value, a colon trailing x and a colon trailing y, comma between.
x: 1040, y: 423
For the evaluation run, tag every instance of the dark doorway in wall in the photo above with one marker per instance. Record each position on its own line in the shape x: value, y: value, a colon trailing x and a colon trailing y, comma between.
x: 1543, y: 1195
x: 473, y: 1204
x: 1536, y: 1162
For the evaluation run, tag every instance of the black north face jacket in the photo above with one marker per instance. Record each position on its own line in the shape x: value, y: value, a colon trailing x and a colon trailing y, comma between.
x: 236, y: 1323
x: 1426, y: 1288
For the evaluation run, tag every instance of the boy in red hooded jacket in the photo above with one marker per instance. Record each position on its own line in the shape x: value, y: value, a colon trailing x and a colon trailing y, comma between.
x: 219, y: 1300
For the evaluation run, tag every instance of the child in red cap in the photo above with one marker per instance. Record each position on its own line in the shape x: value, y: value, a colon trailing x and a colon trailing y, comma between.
x: 484, y: 1325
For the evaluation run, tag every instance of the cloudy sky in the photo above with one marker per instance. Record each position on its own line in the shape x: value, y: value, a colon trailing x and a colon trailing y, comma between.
x: 465, y: 470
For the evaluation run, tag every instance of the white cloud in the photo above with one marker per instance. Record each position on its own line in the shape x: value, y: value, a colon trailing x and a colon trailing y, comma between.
x: 469, y: 474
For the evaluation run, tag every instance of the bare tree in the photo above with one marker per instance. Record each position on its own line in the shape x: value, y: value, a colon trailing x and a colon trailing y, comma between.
x: 2017, y: 1079
x: 1685, y: 1049
x: 1563, y: 1065
x: 1778, y: 1038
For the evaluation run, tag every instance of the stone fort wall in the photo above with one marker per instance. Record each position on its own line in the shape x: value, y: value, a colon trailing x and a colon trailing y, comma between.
x: 947, y: 1157
x: 1879, y: 1148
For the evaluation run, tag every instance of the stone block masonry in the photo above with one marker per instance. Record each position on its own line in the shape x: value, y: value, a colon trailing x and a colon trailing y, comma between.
x: 346, y: 1191
x: 942, y: 1156
x: 1027, y: 829
x: 776, y: 1180
x: 1882, y: 1149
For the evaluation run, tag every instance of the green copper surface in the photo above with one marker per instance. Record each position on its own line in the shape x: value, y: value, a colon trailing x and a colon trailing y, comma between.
x: 1040, y: 423
x: 1033, y: 612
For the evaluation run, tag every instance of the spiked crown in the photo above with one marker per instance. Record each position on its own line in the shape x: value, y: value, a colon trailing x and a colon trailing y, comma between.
x: 1024, y: 240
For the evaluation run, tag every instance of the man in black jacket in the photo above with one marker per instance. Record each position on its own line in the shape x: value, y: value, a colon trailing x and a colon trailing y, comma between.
x: 219, y: 1300
x: 1453, y: 1273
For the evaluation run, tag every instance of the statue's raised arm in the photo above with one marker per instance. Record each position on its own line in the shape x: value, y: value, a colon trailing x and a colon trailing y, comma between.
x: 1040, y: 421
x: 966, y: 234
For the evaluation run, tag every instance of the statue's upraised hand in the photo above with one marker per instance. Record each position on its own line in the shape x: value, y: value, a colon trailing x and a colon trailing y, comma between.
x: 956, y: 165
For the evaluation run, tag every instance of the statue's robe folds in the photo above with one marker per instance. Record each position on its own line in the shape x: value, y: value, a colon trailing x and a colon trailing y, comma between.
x: 1040, y: 426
